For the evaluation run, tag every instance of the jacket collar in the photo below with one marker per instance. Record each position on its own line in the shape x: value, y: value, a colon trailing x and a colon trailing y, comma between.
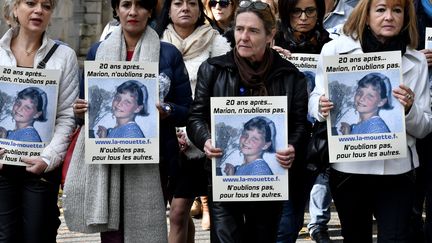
x: 5, y: 43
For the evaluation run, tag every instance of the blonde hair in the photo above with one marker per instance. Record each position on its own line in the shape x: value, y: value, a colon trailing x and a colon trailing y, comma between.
x: 9, y: 6
x: 357, y: 21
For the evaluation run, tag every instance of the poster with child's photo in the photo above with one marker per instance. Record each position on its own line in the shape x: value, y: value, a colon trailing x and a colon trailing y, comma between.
x: 249, y: 130
x: 367, y: 121
x: 122, y: 119
x: 28, y: 105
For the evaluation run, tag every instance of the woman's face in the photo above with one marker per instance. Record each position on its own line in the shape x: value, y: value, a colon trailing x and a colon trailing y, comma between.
x: 303, y: 17
x: 367, y: 100
x: 184, y: 13
x: 252, y: 143
x: 222, y: 11
x: 250, y: 37
x: 33, y: 15
x: 385, y: 19
x: 125, y: 106
x: 24, y: 111
x: 133, y: 18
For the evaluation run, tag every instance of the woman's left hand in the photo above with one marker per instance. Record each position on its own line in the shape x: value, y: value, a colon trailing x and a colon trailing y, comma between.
x: 162, y: 114
x: 286, y: 157
x: 36, y: 164
x: 405, y: 96
x: 282, y: 51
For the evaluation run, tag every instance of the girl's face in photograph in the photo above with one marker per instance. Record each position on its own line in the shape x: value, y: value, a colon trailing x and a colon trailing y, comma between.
x: 125, y: 106
x: 308, y: 16
x: 367, y: 100
x: 133, y: 17
x: 184, y: 13
x: 252, y: 143
x: 24, y: 111
x: 33, y: 15
x: 385, y: 18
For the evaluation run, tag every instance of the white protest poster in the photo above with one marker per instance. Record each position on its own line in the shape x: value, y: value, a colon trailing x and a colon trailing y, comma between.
x: 26, y: 120
x: 122, y: 122
x: 249, y: 130
x: 428, y: 41
x: 307, y: 64
x: 367, y: 121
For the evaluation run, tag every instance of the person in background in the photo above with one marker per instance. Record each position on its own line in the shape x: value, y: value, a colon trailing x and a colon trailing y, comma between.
x: 28, y: 194
x: 252, y: 68
x: 301, y: 31
x: 422, y: 231
x: 126, y: 202
x: 221, y: 13
x: 379, y: 188
x: 352, y: 3
x: 336, y: 14
x: 182, y: 23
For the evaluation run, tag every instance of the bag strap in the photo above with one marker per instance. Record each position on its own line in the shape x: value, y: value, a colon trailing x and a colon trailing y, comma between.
x: 42, y: 63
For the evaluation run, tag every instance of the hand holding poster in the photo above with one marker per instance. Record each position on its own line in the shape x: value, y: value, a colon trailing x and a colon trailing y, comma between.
x: 249, y: 130
x: 122, y: 120
x: 366, y: 122
x: 26, y: 120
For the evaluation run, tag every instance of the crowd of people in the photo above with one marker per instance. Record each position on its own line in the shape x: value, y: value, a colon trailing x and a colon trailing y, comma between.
x: 221, y: 48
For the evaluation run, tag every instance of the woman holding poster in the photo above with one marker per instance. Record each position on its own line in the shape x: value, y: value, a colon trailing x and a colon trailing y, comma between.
x: 379, y: 188
x: 28, y: 195
x: 251, y: 69
x: 132, y: 196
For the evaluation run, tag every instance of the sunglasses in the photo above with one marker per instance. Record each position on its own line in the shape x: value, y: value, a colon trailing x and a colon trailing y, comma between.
x: 310, y: 12
x: 222, y: 3
x: 256, y: 5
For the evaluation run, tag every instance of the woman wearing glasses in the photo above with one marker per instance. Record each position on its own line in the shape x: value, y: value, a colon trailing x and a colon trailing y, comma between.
x: 221, y: 13
x: 182, y: 23
x: 251, y: 69
x: 301, y: 29
x: 383, y: 189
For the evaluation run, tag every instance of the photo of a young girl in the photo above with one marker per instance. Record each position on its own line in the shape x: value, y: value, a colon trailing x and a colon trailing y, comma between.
x: 30, y: 106
x: 257, y: 137
x: 129, y: 101
x: 373, y: 93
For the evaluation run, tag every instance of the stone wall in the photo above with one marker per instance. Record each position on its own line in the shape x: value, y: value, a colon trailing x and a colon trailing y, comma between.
x: 76, y: 22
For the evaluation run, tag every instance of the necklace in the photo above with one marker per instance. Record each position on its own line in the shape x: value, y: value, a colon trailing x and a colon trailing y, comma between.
x: 28, y: 53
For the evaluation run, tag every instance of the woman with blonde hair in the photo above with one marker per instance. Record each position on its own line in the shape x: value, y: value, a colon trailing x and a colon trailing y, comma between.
x: 28, y: 194
x: 379, y: 188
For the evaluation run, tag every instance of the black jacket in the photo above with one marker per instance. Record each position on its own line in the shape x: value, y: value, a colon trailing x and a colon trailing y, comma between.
x: 218, y: 77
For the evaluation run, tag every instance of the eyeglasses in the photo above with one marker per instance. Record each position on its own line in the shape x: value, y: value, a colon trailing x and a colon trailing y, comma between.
x: 257, y: 5
x: 222, y: 3
x: 310, y: 12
